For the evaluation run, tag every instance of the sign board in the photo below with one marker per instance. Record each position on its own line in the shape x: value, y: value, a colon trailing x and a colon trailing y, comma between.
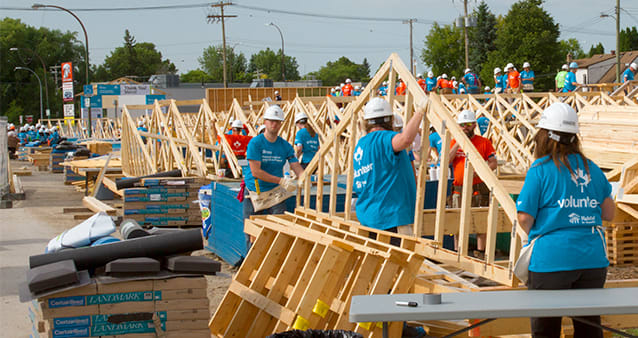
x: 67, y: 72
x: 108, y: 89
x: 67, y: 91
x: 150, y: 99
x: 69, y: 120
x: 29, y: 118
x: 88, y: 90
x: 135, y: 89
x: 96, y: 102
x: 96, y: 113
x: 69, y: 110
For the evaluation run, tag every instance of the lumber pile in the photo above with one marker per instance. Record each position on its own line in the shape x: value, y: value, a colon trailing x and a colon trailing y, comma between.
x: 297, y: 277
x: 55, y: 162
x: 176, y: 307
x: 164, y: 202
x: 98, y: 147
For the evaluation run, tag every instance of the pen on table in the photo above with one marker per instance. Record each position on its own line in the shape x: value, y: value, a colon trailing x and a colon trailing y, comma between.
x: 410, y: 304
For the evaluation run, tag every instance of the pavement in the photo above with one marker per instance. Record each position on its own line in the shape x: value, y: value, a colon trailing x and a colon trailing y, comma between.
x: 25, y: 230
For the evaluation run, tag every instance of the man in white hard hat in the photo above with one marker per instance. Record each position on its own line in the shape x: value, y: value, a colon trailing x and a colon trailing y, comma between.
x: 570, y: 78
x: 421, y: 81
x: 383, y: 177
x: 480, y: 192
x: 527, y: 78
x: 238, y: 143
x: 628, y: 74
x: 267, y: 154
x: 559, y: 80
x: 306, y: 140
x: 383, y: 90
x: 472, y: 82
x: 430, y: 82
x: 513, y: 79
x: 347, y: 88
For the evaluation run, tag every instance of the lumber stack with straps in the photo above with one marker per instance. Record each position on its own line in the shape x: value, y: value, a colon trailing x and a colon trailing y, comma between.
x: 176, y: 307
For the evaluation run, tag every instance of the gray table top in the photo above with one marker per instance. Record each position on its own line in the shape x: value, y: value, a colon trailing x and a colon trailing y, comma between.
x: 496, y: 304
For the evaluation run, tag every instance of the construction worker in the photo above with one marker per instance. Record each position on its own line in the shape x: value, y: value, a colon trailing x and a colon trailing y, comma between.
x: 22, y: 135
x: 569, y: 250
x: 559, y: 80
x: 383, y: 90
x: 12, y: 143
x: 401, y: 87
x: 338, y: 91
x: 480, y: 193
x: 499, y: 84
x: 383, y: 177
x: 443, y: 85
x: 332, y: 92
x: 54, y: 137
x: 513, y: 79
x: 347, y: 88
x: 421, y: 81
x: 430, y: 82
x: 357, y: 91
x: 238, y: 143
x: 277, y: 96
x: 471, y: 82
x: 306, y: 140
x: 570, y: 78
x: 33, y: 134
x: 527, y: 78
x: 628, y: 74
x: 267, y: 154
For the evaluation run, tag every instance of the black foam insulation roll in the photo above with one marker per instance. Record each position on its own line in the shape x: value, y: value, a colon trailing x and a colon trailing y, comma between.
x: 129, y: 182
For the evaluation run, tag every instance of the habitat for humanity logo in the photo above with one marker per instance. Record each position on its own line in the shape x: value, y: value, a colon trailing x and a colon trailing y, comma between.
x: 237, y: 144
x: 574, y: 218
x: 581, y: 179
x: 358, y: 154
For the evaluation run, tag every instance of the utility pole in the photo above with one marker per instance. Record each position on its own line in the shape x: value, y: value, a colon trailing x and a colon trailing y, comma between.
x: 221, y: 17
x: 617, y: 41
x: 467, y: 41
x: 410, y: 22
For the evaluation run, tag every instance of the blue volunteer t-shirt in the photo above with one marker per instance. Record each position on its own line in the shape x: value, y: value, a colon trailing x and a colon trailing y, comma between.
x: 627, y: 75
x: 483, y: 122
x: 383, y: 90
x: 471, y: 80
x: 565, y: 209
x: 569, y: 79
x: 310, y: 144
x: 499, y: 82
x: 272, y: 156
x: 384, y: 182
x: 436, y: 142
x: 430, y: 83
x: 526, y: 76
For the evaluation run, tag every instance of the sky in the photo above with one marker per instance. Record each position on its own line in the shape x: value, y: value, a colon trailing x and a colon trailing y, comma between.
x: 357, y: 29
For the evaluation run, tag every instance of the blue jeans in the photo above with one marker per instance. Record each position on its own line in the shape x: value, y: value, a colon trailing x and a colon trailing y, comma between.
x: 249, y: 211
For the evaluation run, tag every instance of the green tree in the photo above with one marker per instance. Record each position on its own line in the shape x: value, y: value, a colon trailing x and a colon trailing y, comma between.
x: 365, y: 70
x: 195, y: 76
x: 268, y: 63
x: 335, y: 72
x: 135, y: 60
x: 212, y: 62
x: 19, y: 90
x: 482, y: 37
x: 598, y: 49
x: 444, y: 50
x: 571, y: 46
x: 628, y: 39
x: 528, y: 34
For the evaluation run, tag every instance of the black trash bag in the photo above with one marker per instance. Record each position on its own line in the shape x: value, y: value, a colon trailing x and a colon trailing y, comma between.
x: 82, y: 152
x: 316, y: 334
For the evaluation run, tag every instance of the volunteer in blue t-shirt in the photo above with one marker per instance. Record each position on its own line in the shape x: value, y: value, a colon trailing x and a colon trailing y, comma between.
x: 628, y: 74
x: 570, y: 78
x: 499, y: 81
x: 306, y: 140
x: 562, y: 205
x: 472, y: 82
x: 527, y: 78
x: 267, y: 154
x: 430, y: 82
x: 383, y: 177
x: 435, y: 142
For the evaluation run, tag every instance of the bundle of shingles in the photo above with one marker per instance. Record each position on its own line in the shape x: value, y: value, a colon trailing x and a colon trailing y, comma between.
x: 163, y: 202
x: 141, y: 287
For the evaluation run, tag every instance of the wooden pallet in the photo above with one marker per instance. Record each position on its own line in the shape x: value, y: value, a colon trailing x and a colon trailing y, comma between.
x: 622, y: 243
x: 300, y: 277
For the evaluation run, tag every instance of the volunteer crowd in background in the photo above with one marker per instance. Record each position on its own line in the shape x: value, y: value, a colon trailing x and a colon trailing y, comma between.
x: 31, y: 135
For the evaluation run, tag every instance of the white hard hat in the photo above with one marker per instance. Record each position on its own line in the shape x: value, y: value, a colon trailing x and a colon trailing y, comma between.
x: 274, y: 113
x: 32, y: 128
x: 332, y: 90
x: 430, y: 74
x: 454, y: 83
x: 398, y: 121
x: 338, y: 88
x: 509, y: 66
x: 564, y: 67
x: 357, y: 87
x: 375, y: 108
x: 140, y: 123
x: 237, y: 124
x: 385, y: 83
x: 261, y: 128
x: 559, y: 117
x: 342, y: 84
x: 466, y: 116
x: 276, y: 92
x: 467, y: 70
x: 444, y: 76
x: 419, y: 75
x: 348, y: 80
x: 487, y: 88
x: 462, y: 91
x: 453, y: 77
x: 55, y: 128
x: 633, y: 66
x: 300, y: 116
x: 526, y: 65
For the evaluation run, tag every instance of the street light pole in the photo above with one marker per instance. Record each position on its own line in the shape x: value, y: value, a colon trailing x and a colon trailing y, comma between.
x: 617, y: 41
x: 39, y: 82
x: 86, y: 52
x: 283, y: 69
x: 44, y: 70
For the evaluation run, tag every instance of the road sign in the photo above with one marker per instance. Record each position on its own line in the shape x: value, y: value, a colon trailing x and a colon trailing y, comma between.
x: 88, y: 90
x: 69, y: 110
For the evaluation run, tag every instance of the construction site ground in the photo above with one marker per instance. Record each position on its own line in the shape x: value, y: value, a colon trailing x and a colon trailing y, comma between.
x: 27, y: 227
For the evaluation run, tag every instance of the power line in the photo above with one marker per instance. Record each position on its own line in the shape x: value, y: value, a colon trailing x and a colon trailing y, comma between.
x: 115, y: 9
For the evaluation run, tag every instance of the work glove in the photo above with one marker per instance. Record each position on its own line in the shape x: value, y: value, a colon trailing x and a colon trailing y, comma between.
x: 288, y: 184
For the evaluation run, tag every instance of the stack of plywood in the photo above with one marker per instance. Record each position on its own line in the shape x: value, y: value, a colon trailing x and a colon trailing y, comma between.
x: 175, y: 307
x: 99, y: 147
x: 55, y: 162
x: 164, y: 202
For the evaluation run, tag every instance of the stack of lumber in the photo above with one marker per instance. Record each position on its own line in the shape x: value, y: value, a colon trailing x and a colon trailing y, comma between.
x: 40, y: 159
x: 99, y: 147
x: 23, y: 153
x: 175, y: 307
x: 55, y: 162
x: 622, y: 243
x: 71, y: 176
x: 167, y: 202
